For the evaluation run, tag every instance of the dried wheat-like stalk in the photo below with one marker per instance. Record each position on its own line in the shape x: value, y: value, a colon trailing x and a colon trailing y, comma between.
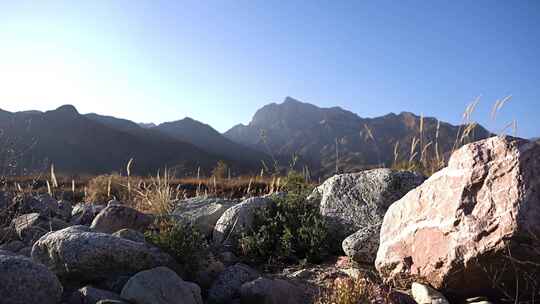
x: 466, y: 133
x: 512, y: 126
x: 498, y: 106
x: 466, y: 121
x: 421, y: 136
x: 249, y: 186
x: 128, y: 171
x: 369, y: 133
x: 412, y: 153
x: 424, y: 150
x: 109, y: 182
x: 53, y: 177
x: 396, y: 152
x: 437, y: 155
x: 49, y: 190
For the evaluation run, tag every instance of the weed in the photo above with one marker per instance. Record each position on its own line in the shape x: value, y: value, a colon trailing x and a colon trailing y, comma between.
x: 288, y: 230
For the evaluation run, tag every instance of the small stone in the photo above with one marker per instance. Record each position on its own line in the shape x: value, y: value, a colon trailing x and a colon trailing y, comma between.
x: 424, y: 294
x: 161, y: 286
x: 117, y: 217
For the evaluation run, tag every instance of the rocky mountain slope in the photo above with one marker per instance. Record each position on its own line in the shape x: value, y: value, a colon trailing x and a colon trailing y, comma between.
x: 322, y: 139
x: 313, y: 133
x: 208, y: 139
x: 79, y: 144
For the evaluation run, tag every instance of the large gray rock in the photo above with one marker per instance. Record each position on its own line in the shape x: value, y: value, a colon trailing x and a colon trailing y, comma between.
x: 65, y: 209
x: 4, y: 200
x: 13, y: 246
x: 23, y: 281
x: 30, y: 227
x: 354, y: 201
x: 7, y: 252
x: 201, y: 212
x: 115, y: 217
x: 80, y: 254
x: 84, y: 213
x: 130, y: 234
x: 362, y: 245
x: 227, y: 285
x: 91, y: 295
x: 238, y: 219
x: 43, y: 204
x: 473, y: 221
x: 161, y: 286
x: 269, y: 291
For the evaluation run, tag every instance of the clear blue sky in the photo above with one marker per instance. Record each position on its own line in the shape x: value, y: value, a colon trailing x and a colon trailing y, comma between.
x: 219, y: 61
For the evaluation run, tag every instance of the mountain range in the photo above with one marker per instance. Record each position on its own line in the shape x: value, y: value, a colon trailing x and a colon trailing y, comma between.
x: 292, y: 132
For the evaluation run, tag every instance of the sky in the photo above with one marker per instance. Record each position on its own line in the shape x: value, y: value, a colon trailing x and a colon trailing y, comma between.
x: 220, y: 61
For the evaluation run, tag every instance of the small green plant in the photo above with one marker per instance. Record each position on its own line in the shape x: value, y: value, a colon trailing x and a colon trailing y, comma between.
x: 183, y: 242
x: 290, y: 229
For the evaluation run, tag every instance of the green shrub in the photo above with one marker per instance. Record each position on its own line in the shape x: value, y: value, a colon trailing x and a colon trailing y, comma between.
x: 290, y: 229
x: 183, y: 242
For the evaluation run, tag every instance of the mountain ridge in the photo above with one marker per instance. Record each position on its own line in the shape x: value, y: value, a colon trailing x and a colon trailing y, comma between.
x: 306, y: 133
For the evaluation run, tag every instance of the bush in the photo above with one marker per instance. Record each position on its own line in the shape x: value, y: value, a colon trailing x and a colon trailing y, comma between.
x: 183, y: 242
x: 354, y: 291
x: 103, y: 188
x: 288, y: 230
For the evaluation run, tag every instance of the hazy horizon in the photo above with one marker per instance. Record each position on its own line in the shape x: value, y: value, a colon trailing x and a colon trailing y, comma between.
x: 218, y: 62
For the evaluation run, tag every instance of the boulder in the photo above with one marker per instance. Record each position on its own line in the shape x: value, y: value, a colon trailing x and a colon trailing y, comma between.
x: 13, y: 246
x: 77, y: 253
x: 26, y: 251
x: 201, y: 212
x: 238, y: 219
x: 91, y: 295
x: 424, y: 294
x: 467, y: 220
x: 30, y: 227
x: 355, y: 201
x: 227, y: 285
x: 8, y: 234
x: 84, y: 213
x: 269, y: 291
x: 65, y: 209
x: 43, y: 204
x: 115, y: 217
x: 130, y: 234
x: 7, y: 252
x: 23, y: 281
x: 161, y: 286
x: 362, y: 245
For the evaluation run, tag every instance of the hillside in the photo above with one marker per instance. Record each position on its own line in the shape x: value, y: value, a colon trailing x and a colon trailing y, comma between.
x: 208, y: 139
x: 79, y: 144
x: 312, y: 133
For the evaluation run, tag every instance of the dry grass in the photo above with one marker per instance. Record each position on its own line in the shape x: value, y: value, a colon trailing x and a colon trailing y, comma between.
x: 354, y: 291
x: 426, y: 157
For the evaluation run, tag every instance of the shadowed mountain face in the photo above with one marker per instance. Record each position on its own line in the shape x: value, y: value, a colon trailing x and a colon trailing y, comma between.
x: 208, y: 139
x: 313, y: 133
x: 79, y: 144
x: 94, y: 143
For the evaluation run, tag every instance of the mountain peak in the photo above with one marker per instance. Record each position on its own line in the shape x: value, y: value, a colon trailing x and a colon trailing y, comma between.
x: 290, y: 100
x: 67, y: 109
